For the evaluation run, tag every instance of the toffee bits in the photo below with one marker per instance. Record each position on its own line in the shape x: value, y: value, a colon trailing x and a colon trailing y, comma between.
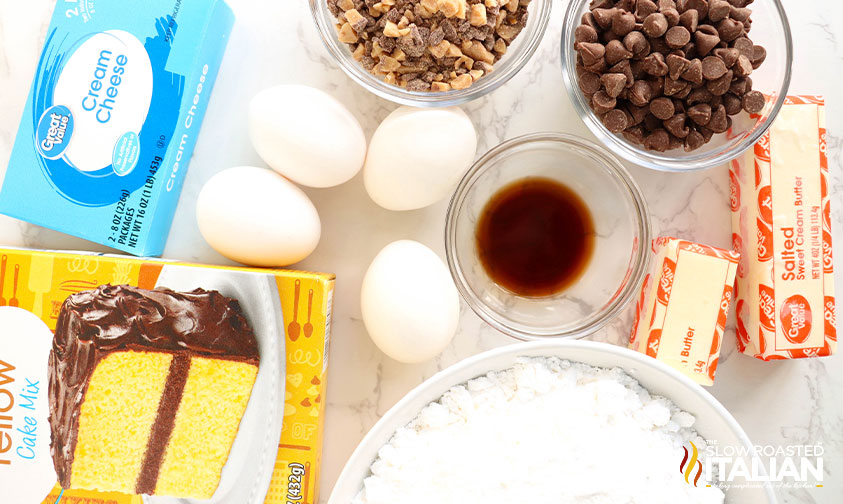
x: 668, y: 73
x: 429, y: 45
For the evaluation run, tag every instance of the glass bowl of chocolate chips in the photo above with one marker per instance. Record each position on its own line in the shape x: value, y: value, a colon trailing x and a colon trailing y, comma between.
x: 677, y: 85
x: 431, y: 53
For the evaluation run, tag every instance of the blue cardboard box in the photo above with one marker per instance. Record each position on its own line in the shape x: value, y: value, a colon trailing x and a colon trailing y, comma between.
x: 112, y: 118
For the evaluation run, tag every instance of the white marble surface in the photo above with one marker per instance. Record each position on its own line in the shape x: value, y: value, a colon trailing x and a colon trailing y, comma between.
x: 779, y: 403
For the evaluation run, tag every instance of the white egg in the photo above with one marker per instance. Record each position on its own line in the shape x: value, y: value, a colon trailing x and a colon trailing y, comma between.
x: 417, y: 156
x: 257, y: 217
x: 306, y: 135
x: 410, y: 305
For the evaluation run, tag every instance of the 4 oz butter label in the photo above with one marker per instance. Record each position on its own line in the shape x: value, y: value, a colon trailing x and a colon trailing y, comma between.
x: 795, y: 311
x: 26, y: 467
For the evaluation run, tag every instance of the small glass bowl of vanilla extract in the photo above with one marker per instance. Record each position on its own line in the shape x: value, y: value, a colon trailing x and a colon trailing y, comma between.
x: 547, y: 236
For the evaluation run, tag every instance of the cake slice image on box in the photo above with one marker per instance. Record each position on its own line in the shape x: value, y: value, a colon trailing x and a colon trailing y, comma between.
x: 147, y: 389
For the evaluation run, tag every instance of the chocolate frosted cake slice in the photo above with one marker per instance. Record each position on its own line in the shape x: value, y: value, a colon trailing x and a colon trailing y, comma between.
x: 147, y: 389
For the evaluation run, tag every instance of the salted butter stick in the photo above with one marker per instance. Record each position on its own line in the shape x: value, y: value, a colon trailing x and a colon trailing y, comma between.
x: 781, y: 222
x: 681, y: 315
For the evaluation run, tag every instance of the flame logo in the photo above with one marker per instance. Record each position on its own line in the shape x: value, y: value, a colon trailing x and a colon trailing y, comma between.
x: 686, y: 467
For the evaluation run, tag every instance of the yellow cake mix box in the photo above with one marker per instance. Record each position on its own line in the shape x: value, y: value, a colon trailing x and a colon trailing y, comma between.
x: 34, y: 286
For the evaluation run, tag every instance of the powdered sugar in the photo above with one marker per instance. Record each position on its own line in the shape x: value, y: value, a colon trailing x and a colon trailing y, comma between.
x: 544, y: 431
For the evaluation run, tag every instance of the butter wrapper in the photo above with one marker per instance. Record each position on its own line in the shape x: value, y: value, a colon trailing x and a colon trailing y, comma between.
x: 681, y: 314
x: 781, y: 224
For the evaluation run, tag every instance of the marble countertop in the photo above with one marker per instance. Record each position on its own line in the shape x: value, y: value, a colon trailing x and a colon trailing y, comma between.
x: 777, y: 403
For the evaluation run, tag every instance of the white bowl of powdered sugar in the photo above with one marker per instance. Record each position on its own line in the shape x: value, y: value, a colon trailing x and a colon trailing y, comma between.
x: 561, y: 422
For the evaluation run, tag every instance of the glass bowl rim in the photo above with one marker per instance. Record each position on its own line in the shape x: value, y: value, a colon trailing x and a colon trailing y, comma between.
x: 654, y: 160
x: 396, y: 94
x: 638, y: 264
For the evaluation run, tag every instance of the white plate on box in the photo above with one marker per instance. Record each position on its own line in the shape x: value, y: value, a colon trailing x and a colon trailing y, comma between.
x: 714, y: 422
x: 248, y: 471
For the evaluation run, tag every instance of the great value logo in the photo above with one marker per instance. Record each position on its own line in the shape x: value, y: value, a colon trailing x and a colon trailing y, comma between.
x: 54, y: 130
x: 796, y: 319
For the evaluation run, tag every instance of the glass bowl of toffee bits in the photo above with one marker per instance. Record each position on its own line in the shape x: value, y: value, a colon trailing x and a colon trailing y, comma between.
x: 677, y: 85
x: 431, y: 53
x: 546, y: 237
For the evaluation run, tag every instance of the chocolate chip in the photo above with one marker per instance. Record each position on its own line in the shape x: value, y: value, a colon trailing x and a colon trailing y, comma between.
x: 652, y: 123
x: 677, y: 65
x: 701, y: 6
x: 637, y: 67
x: 694, y: 141
x: 601, y: 4
x: 672, y: 16
x: 706, y: 38
x: 677, y: 37
x: 641, y: 93
x: 759, y: 54
x: 624, y: 68
x: 656, y: 86
x: 654, y: 64
x: 591, y: 52
x: 719, y: 122
x: 739, y: 13
x: 662, y: 108
x: 739, y: 87
x: 676, y: 126
x: 627, y: 5
x: 659, y: 45
x: 706, y: 133
x: 644, y: 8
x: 615, y: 121
x: 655, y: 25
x: 614, y: 83
x: 603, y: 17
x: 675, y: 143
x: 690, y: 19
x: 599, y: 67
x: 719, y: 87
x: 666, y: 4
x: 713, y: 68
x: 753, y: 102
x: 623, y: 22
x: 616, y: 52
x: 637, y: 43
x: 732, y: 103
x: 744, y: 46
x: 743, y: 67
x: 638, y: 113
x: 585, y: 33
x: 694, y: 72
x: 718, y: 9
x: 729, y: 29
x: 602, y: 102
x: 634, y: 134
x: 700, y: 113
x: 590, y: 83
x: 674, y: 87
x: 658, y: 140
x: 728, y: 55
